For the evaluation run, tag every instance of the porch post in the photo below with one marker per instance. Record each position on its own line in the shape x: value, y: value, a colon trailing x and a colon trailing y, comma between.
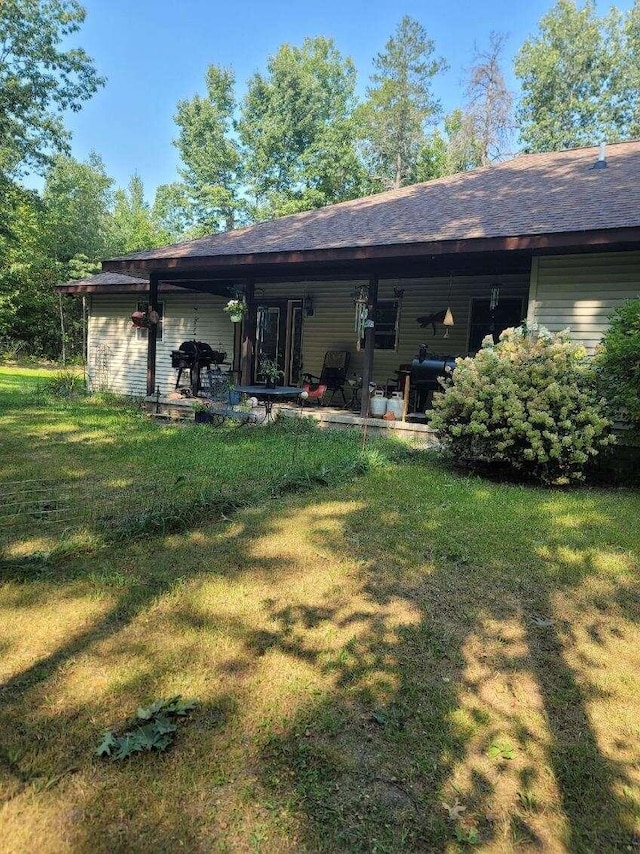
x: 237, y: 351
x: 369, y: 344
x: 248, y: 335
x: 152, y: 335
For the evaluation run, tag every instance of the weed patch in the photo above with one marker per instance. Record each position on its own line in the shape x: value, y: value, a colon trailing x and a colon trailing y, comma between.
x: 154, y: 728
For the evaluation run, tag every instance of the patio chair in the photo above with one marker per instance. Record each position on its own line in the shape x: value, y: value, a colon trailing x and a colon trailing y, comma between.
x: 332, y: 377
x: 224, y: 402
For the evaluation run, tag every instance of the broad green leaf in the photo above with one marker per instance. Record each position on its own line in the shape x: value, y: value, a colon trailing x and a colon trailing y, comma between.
x: 157, y: 733
x: 108, y: 743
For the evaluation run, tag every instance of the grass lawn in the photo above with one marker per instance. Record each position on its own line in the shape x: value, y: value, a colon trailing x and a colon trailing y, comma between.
x: 404, y: 660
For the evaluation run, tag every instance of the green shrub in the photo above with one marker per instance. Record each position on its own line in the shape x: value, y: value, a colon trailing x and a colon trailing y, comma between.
x: 618, y: 361
x: 529, y: 402
x: 67, y: 383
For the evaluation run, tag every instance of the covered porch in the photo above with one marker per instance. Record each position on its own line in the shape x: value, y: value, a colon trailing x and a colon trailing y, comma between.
x: 358, y: 277
x: 378, y: 321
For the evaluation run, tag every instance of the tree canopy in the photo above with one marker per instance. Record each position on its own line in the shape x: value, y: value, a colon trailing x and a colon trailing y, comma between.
x: 210, y: 154
x: 579, y: 79
x: 297, y: 130
x: 133, y: 223
x: 400, y: 103
x: 77, y: 200
x: 39, y: 80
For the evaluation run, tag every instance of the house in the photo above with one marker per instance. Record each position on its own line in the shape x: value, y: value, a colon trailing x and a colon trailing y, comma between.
x: 552, y: 237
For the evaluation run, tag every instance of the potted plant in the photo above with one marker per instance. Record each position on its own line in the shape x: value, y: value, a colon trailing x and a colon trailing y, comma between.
x: 236, y: 309
x: 233, y: 394
x: 271, y: 372
x: 202, y: 414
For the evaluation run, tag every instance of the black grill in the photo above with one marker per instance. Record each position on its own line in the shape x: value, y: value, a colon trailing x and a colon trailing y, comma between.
x: 194, y: 356
x: 425, y: 372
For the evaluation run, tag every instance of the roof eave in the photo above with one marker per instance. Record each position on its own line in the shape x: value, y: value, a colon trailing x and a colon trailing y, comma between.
x: 553, y: 242
x: 71, y: 288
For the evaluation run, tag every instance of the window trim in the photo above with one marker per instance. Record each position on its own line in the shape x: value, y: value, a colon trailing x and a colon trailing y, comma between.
x: 476, y: 298
x: 397, y: 304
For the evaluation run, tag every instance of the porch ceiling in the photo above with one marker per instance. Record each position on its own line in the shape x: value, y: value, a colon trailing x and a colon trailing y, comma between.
x: 221, y: 280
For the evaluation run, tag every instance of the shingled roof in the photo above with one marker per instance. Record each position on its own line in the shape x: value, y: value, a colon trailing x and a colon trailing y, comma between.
x: 534, y: 194
x: 104, y: 283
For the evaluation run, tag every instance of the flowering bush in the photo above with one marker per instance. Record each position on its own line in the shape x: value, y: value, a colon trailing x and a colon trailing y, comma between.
x: 529, y: 402
x: 619, y: 361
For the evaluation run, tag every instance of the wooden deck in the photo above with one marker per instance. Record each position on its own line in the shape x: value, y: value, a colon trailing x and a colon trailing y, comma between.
x: 181, y: 409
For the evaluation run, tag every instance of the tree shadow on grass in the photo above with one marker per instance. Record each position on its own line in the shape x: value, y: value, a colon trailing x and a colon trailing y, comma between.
x: 415, y: 721
x: 374, y: 662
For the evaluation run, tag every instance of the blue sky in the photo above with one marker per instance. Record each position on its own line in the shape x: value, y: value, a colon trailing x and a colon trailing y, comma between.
x: 154, y: 52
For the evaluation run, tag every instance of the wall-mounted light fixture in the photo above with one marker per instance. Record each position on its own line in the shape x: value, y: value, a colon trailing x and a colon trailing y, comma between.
x: 308, y: 306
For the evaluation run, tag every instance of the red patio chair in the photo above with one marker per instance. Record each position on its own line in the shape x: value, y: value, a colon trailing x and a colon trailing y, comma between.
x: 332, y: 377
x: 315, y: 391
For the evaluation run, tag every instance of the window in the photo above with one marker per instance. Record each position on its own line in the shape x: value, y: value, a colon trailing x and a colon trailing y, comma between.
x: 142, y: 334
x: 387, y: 322
x: 484, y: 321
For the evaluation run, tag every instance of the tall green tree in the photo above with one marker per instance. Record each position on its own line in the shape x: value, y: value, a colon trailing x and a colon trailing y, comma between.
x: 60, y: 235
x: 578, y: 83
x: 77, y: 200
x: 173, y: 211
x: 211, y: 154
x: 298, y: 132
x: 29, y: 310
x: 400, y: 104
x: 133, y: 223
x: 456, y: 147
x: 40, y: 78
x: 632, y: 40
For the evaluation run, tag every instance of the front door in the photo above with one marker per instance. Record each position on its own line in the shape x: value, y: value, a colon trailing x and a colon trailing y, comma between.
x: 279, y: 338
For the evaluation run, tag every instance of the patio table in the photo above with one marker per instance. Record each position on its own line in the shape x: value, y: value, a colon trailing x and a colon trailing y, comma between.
x: 269, y: 396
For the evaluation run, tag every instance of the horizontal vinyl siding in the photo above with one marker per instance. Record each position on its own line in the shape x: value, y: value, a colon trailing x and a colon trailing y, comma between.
x: 581, y: 291
x: 332, y: 326
x: 117, y: 357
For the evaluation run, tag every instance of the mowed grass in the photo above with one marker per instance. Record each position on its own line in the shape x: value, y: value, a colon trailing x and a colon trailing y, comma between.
x: 408, y: 660
x: 91, y: 470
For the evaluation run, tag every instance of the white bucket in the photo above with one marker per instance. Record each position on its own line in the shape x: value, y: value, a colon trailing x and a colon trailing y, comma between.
x: 378, y: 404
x: 395, y: 404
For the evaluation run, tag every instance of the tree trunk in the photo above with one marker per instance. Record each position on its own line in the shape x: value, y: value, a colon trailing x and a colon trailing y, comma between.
x: 62, y: 333
x: 397, y: 180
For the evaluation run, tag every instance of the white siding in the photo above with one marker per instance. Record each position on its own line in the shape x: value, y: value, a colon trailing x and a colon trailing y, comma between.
x: 332, y: 326
x: 117, y: 356
x: 123, y: 369
x: 581, y: 291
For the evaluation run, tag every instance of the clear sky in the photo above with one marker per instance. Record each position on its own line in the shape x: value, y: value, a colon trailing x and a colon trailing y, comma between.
x: 155, y: 52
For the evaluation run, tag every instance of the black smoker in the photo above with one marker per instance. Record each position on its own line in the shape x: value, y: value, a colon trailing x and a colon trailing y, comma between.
x: 194, y: 356
x: 425, y: 371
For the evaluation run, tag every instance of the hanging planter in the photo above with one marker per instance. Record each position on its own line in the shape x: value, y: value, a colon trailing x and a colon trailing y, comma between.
x: 140, y: 320
x: 236, y: 309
